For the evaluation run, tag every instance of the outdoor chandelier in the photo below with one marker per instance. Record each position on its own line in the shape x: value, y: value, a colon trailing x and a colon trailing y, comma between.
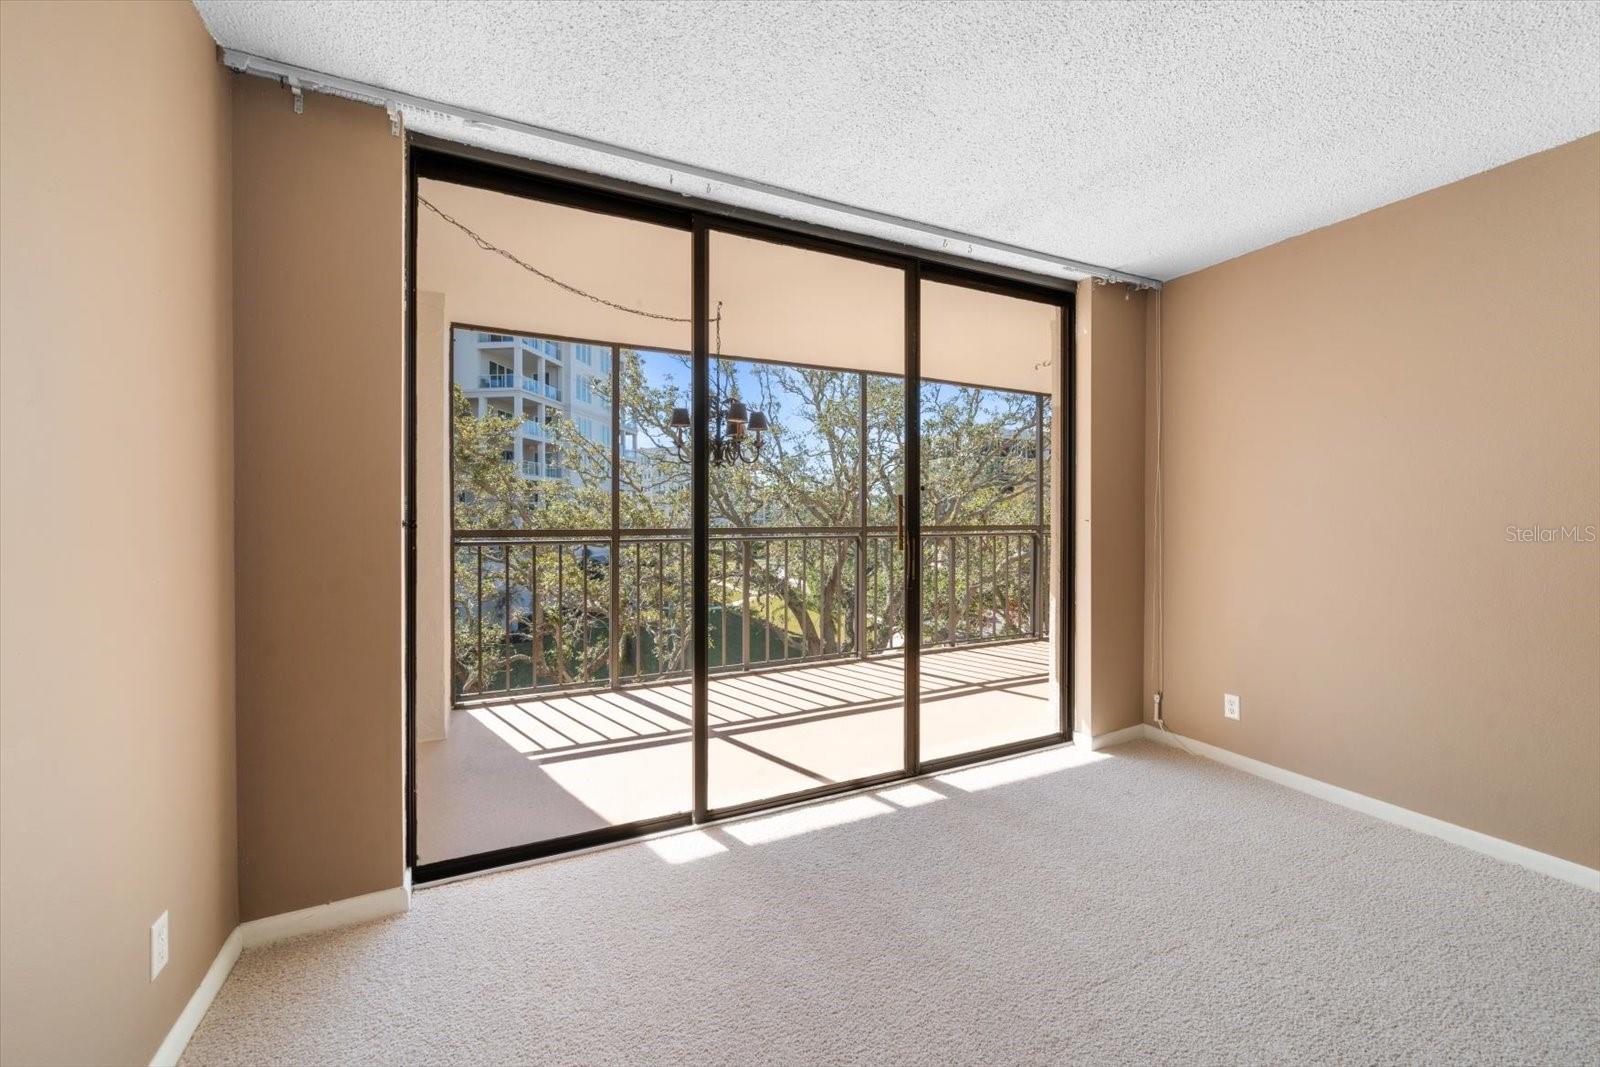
x: 737, y: 432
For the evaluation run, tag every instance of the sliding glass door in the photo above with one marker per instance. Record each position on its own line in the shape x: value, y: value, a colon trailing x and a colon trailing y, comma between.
x: 804, y: 458
x: 989, y: 365
x: 553, y: 708
x: 714, y: 516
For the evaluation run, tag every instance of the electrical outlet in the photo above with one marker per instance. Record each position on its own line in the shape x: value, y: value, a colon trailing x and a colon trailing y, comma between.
x: 1230, y: 705
x: 158, y: 946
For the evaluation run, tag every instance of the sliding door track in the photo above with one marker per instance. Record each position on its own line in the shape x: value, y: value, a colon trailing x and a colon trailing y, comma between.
x: 556, y: 847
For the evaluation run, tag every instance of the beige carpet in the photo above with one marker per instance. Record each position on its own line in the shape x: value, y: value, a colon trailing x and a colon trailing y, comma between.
x: 1132, y: 906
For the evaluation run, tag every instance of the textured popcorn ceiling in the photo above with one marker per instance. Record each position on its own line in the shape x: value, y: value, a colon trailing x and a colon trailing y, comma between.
x: 1150, y: 138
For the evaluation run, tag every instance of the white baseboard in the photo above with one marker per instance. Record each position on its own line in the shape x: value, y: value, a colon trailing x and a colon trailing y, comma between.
x: 259, y: 932
x: 1497, y: 848
x: 177, y: 1038
x: 328, y: 916
x: 1115, y: 737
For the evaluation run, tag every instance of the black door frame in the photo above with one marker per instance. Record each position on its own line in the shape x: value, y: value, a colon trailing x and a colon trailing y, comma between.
x: 461, y: 164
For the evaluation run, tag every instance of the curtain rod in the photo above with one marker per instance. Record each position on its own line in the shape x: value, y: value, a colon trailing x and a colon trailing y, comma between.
x: 305, y: 78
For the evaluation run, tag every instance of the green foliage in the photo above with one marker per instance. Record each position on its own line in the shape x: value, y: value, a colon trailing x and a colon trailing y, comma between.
x: 543, y: 610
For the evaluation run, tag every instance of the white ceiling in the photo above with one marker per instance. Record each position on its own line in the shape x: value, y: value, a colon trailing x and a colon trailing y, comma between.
x: 1150, y: 138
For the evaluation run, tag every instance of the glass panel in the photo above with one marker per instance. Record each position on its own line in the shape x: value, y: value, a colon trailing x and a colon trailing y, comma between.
x: 531, y: 431
x: 884, y: 610
x: 567, y: 678
x: 653, y: 457
x: 808, y: 684
x: 986, y: 663
x: 979, y: 456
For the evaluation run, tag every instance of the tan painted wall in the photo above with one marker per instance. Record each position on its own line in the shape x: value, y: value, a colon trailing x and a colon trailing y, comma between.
x: 1109, y: 556
x: 318, y: 210
x: 116, y: 525
x: 1352, y: 420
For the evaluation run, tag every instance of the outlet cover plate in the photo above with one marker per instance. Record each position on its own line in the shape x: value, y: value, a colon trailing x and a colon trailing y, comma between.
x: 158, y: 946
x: 1230, y: 705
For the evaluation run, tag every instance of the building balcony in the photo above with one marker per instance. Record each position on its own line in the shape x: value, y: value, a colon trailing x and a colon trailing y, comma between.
x: 532, y: 468
x: 515, y: 381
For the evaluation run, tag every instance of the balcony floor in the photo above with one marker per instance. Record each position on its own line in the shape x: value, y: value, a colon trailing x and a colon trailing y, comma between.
x: 542, y: 767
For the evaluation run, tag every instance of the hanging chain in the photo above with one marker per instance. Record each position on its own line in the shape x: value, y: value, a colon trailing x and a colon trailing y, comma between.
x: 489, y: 246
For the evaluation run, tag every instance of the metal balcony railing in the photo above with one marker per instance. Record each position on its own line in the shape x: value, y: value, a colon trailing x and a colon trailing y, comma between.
x: 513, y: 381
x: 590, y: 608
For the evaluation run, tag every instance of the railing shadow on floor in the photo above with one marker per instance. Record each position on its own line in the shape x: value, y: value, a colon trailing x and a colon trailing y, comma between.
x: 565, y: 726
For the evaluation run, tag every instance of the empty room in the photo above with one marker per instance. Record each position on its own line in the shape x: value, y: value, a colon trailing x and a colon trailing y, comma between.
x: 745, y: 533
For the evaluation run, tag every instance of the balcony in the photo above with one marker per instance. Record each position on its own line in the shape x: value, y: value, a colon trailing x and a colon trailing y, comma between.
x: 571, y: 648
x: 532, y: 468
x: 538, y: 349
x: 571, y: 657
x: 514, y: 381
x: 546, y: 767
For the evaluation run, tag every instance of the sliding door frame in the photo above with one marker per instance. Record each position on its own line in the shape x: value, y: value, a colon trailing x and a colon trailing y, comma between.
x: 459, y: 164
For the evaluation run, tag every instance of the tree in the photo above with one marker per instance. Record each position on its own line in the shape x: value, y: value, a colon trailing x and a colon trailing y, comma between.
x: 546, y: 606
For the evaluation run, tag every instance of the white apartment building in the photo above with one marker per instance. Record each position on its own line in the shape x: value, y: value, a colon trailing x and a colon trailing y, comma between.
x: 537, y: 381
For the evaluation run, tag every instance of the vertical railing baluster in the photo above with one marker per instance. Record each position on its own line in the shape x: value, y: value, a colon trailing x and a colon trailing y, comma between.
x: 1022, y: 580
x: 985, y: 571
x: 744, y: 603
x: 1001, y: 569
x: 536, y: 645
x: 506, y: 643
x: 614, y: 611
x: 952, y: 547
x: 585, y: 561
x: 561, y: 610
x: 968, y: 591
x: 638, y: 611
x: 477, y: 618
x: 805, y: 598
x: 1013, y: 585
x: 860, y: 620
x: 1035, y: 612
x: 976, y: 593
x: 783, y: 603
